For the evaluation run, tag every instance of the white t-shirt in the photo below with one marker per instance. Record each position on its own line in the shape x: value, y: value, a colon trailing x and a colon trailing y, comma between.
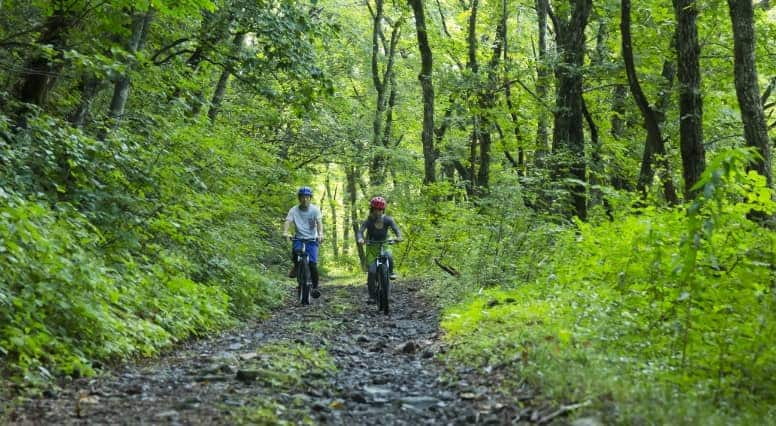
x: 305, y: 221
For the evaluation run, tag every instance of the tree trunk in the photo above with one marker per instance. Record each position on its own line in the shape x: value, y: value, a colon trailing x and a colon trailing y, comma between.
x: 568, y: 133
x: 381, y: 83
x: 447, y: 168
x: 654, y: 145
x: 212, y: 30
x: 350, y: 177
x: 596, y: 174
x: 520, y: 163
x: 596, y: 162
x: 618, y: 108
x: 747, y: 89
x: 377, y: 122
x: 473, y: 66
x: 218, y: 94
x: 91, y: 86
x: 471, y: 38
x: 542, y: 77
x: 140, y: 24
x: 690, y: 103
x: 332, y: 199
x: 40, y: 72
x: 388, y: 130
x: 481, y: 140
x: 427, y: 87
x: 487, y: 101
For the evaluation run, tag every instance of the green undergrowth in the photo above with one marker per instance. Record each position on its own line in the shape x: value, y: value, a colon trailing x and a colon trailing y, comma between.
x: 116, y: 248
x: 289, y: 369
x: 657, y: 317
x: 80, y: 308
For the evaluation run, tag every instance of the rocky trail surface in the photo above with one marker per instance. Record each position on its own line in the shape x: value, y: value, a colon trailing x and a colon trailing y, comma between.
x: 337, y: 361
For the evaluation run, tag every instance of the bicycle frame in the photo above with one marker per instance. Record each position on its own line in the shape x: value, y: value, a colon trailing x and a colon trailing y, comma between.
x: 303, y: 271
x: 380, y: 276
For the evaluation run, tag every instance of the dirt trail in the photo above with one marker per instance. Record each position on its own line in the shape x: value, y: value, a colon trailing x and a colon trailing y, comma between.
x: 337, y: 361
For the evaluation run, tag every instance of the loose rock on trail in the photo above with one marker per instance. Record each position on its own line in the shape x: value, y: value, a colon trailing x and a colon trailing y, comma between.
x: 337, y: 361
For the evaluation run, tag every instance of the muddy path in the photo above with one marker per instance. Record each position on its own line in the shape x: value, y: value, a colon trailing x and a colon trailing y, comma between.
x: 337, y: 361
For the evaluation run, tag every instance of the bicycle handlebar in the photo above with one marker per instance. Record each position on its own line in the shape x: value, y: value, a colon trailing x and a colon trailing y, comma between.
x: 304, y: 240
x: 389, y: 241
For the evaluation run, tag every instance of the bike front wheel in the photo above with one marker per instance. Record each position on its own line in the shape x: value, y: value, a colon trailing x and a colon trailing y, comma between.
x: 303, y: 279
x: 383, y: 290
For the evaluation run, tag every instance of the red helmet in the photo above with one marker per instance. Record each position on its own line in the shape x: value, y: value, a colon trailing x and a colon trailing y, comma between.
x: 377, y: 203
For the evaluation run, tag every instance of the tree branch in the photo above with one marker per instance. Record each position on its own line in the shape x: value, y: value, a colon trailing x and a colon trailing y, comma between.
x: 168, y: 47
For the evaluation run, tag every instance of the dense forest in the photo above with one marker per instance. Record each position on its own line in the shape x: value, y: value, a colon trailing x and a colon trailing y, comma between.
x: 585, y: 187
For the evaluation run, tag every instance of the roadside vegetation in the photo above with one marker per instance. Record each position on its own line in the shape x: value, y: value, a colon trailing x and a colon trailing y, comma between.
x: 585, y: 188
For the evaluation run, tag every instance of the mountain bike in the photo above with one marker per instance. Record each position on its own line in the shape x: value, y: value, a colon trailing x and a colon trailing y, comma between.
x: 303, y: 271
x: 378, y: 282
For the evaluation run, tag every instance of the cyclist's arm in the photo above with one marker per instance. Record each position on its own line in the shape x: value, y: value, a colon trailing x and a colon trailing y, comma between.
x: 287, y: 223
x: 360, y: 232
x: 395, y: 229
x: 319, y: 227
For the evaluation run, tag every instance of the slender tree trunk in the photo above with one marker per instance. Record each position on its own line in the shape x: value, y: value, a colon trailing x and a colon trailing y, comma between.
x: 377, y: 122
x: 654, y: 145
x: 618, y: 111
x: 350, y: 177
x: 487, y: 101
x: 381, y: 82
x: 332, y: 199
x: 388, y: 130
x: 747, y: 88
x: 568, y: 133
x: 471, y: 38
x: 427, y: 87
x: 481, y: 140
x: 596, y: 163
x: 474, y: 67
x: 220, y: 92
x: 218, y: 95
x: 542, y: 77
x: 91, y: 86
x: 520, y: 164
x: 211, y: 31
x: 140, y: 24
x: 377, y: 28
x: 447, y: 169
x: 690, y: 103
x: 346, y: 211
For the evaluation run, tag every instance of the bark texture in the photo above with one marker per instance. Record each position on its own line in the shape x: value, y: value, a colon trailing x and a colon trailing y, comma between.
x: 40, y: 72
x: 568, y: 139
x: 223, y: 80
x: 652, y: 118
x: 690, y: 102
x: 427, y: 86
x: 542, y: 75
x: 141, y: 21
x: 747, y: 88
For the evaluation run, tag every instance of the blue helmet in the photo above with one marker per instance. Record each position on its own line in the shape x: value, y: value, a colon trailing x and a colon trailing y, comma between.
x: 305, y: 190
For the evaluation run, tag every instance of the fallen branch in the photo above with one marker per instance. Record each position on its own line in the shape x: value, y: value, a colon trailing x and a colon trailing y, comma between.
x: 449, y: 269
x: 562, y: 410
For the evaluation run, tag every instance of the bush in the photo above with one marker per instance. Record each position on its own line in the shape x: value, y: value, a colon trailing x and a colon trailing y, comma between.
x: 118, y: 247
x: 659, y: 314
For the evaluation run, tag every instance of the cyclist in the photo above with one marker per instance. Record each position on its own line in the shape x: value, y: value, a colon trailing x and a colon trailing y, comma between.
x: 308, y: 225
x: 376, y: 226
